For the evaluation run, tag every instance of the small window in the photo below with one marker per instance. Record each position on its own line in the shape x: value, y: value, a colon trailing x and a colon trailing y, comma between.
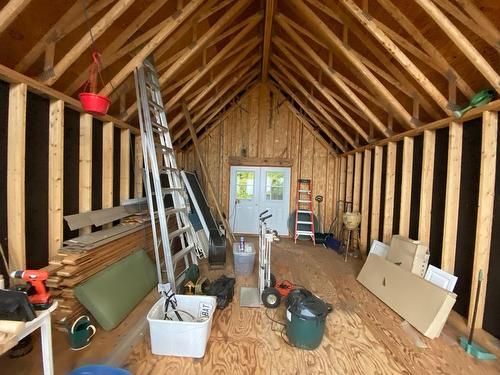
x: 274, y: 186
x: 245, y: 184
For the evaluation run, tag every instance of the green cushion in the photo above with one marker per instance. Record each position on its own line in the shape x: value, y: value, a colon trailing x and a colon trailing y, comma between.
x: 112, y: 294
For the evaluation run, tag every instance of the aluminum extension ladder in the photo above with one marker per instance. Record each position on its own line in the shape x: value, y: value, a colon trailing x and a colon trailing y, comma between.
x: 159, y: 160
x: 304, y: 214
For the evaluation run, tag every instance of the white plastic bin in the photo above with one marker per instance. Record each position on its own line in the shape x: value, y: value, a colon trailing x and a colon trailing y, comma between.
x: 243, y: 260
x: 182, y: 339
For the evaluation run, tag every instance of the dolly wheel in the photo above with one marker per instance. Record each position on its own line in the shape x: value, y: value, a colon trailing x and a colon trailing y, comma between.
x: 271, y: 298
x: 272, y: 281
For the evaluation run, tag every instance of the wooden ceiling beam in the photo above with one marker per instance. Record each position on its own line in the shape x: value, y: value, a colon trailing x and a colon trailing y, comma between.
x: 334, y: 42
x: 470, y: 23
x: 10, y: 11
x: 173, y: 22
x: 118, y: 42
x: 85, y: 42
x: 434, y: 55
x: 477, y: 15
x: 327, y: 130
x: 220, y: 5
x: 73, y: 18
x: 399, y: 55
x: 365, y: 111
x: 462, y: 43
x: 234, y: 29
x: 224, y: 74
x: 240, y: 77
x: 353, y: 124
x: 266, y: 38
x: 245, y: 86
x: 232, y: 45
x: 331, y: 121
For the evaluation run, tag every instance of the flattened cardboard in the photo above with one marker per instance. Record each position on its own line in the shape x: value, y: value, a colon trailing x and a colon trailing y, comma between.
x: 410, y: 255
x: 424, y: 305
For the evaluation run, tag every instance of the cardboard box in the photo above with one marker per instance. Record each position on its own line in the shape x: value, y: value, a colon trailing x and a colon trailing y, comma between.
x: 424, y: 305
x: 410, y: 255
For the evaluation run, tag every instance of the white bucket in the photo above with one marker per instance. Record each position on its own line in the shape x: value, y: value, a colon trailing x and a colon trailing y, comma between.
x: 182, y: 338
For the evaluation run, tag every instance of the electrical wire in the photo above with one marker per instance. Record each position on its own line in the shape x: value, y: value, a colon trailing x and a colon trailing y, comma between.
x: 280, y: 331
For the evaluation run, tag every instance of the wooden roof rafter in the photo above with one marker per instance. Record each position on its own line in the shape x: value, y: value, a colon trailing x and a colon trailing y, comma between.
x: 10, y: 11
x: 266, y: 38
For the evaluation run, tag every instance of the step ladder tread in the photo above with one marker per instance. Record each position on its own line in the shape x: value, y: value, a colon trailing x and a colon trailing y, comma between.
x: 181, y: 253
x: 304, y: 212
x: 304, y: 191
x: 304, y: 222
x: 164, y: 148
x: 303, y: 201
x: 304, y: 233
x: 169, y: 190
x: 178, y: 232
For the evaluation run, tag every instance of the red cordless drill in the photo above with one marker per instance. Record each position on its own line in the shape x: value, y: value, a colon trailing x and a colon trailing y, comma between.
x: 41, y: 300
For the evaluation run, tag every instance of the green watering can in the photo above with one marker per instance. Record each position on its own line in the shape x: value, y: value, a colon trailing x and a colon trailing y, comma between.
x: 480, y: 98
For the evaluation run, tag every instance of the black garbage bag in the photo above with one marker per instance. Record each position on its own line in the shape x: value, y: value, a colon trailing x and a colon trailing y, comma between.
x: 223, y: 289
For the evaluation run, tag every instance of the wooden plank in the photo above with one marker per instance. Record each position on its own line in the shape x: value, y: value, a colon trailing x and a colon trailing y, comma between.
x: 399, y: 55
x: 266, y: 38
x: 56, y: 176
x: 256, y: 161
x: 342, y: 181
x: 462, y: 43
x: 451, y: 207
x: 406, y: 181
x: 16, y: 147
x: 365, y: 202
x: 357, y: 182
x: 125, y: 146
x: 138, y: 167
x: 377, y: 182
x: 390, y: 181
x: 10, y: 11
x: 486, y: 204
x: 349, y: 178
x: 173, y: 23
x: 424, y: 223
x: 81, y: 46
x: 108, y: 135
x: 85, y: 166
x: 205, y: 172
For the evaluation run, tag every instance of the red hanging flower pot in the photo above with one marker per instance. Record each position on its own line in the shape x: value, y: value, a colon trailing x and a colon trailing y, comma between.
x: 93, y: 103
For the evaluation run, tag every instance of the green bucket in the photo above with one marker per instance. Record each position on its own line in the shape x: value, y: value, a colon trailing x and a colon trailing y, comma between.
x: 305, y: 320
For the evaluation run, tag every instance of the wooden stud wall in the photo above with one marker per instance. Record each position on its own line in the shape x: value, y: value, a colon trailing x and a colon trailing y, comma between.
x: 372, y: 221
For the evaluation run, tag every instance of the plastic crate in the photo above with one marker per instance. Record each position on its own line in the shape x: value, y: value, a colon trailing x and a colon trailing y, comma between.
x: 243, y: 260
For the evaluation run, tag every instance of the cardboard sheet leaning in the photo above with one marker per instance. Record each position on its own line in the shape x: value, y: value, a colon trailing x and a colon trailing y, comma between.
x: 422, y: 304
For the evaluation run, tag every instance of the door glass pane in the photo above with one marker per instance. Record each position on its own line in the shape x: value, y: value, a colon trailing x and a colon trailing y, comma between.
x: 245, y: 184
x: 274, y: 185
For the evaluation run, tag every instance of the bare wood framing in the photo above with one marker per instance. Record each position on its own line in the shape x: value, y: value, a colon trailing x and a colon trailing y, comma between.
x: 108, y: 134
x: 377, y: 182
x: 266, y: 39
x: 390, y: 180
x: 173, y: 22
x: 138, y: 167
x: 16, y: 147
x: 478, y: 16
x: 334, y: 42
x: 424, y: 222
x: 357, y: 182
x: 462, y: 43
x: 451, y: 207
x: 342, y: 185
x: 194, y: 137
x: 125, y: 146
x: 365, y: 202
x: 349, y: 179
x: 97, y: 30
x: 406, y: 181
x: 56, y: 176
x: 10, y: 11
x: 85, y: 167
x: 485, y: 211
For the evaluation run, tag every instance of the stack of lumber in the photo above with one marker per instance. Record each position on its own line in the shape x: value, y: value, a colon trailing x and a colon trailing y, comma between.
x: 84, y: 256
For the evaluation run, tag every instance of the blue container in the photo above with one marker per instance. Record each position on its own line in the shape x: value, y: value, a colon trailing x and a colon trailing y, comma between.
x: 99, y: 370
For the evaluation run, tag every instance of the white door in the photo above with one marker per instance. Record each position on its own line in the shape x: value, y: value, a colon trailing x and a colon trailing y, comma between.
x: 254, y: 190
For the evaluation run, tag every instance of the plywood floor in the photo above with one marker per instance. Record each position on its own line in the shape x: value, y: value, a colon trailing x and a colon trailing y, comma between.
x: 363, y: 336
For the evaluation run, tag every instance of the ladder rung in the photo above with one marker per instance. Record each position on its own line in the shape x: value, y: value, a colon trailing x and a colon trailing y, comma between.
x: 179, y: 231
x: 304, y: 212
x: 163, y: 148
x: 173, y: 210
x: 156, y: 106
x: 153, y: 85
x: 170, y: 190
x: 167, y: 169
x: 304, y: 222
x: 181, y: 253
x: 304, y: 191
x: 303, y: 201
x: 304, y: 233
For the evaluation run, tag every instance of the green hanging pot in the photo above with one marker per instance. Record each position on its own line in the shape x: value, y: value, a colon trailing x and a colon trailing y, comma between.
x: 480, y: 98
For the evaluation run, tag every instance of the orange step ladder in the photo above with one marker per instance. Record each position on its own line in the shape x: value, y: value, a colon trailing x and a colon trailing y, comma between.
x: 304, y: 210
